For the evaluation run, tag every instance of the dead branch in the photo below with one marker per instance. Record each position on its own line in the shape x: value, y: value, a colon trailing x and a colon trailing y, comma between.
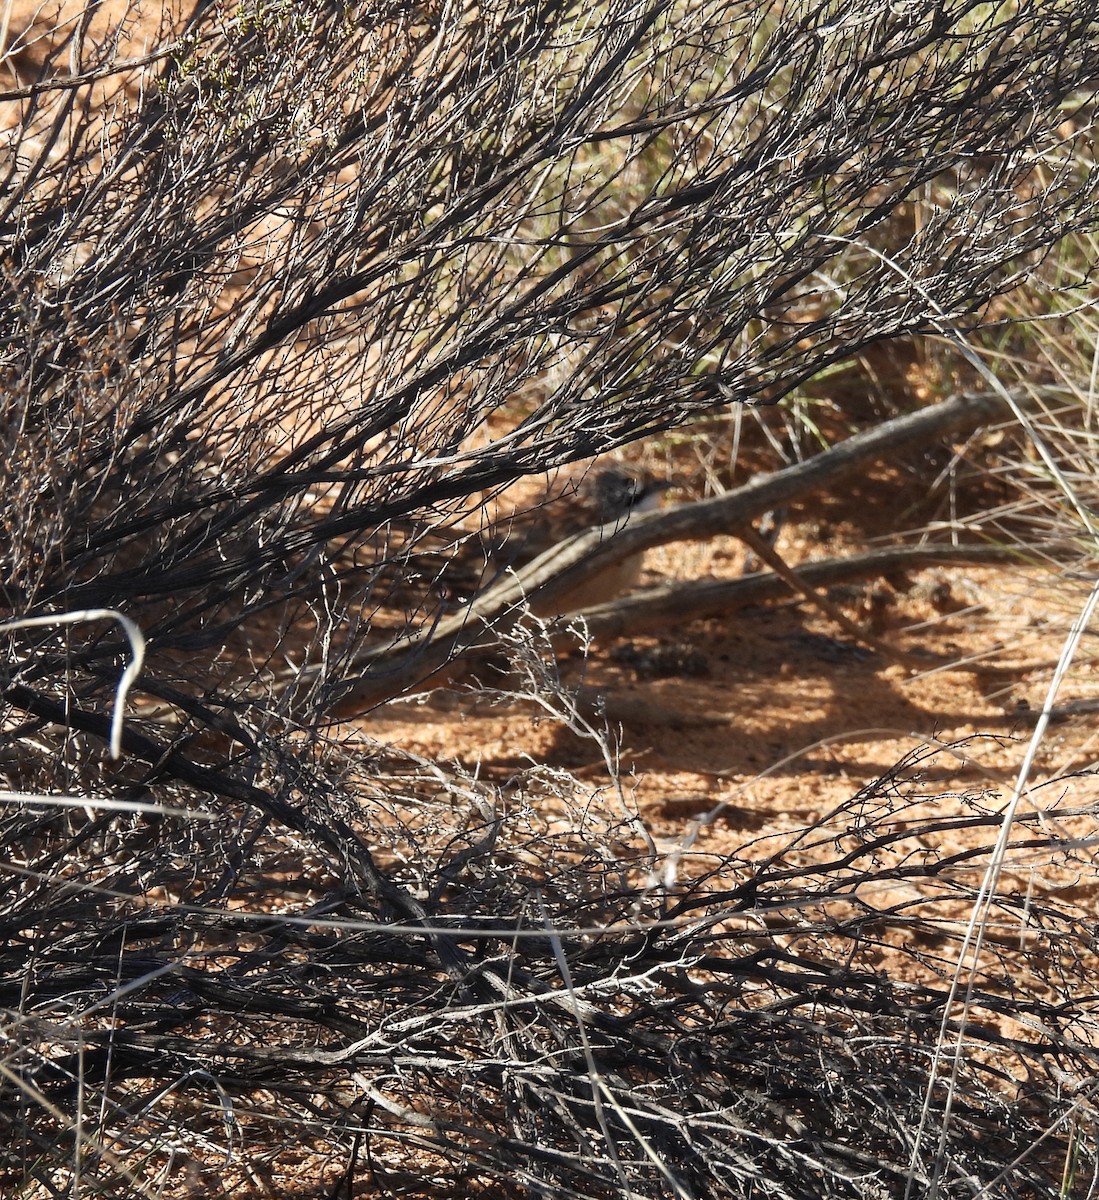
x: 656, y: 608
x: 377, y: 674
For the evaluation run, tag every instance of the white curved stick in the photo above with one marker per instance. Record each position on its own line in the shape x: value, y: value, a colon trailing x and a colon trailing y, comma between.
x: 137, y: 655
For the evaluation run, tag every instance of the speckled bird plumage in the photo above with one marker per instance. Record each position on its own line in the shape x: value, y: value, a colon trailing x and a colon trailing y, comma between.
x: 606, y: 493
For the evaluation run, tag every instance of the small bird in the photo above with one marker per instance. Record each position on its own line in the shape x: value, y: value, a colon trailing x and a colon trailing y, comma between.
x: 607, y: 493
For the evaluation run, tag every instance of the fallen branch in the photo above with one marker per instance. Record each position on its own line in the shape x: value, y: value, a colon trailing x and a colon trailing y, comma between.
x: 653, y: 608
x: 378, y: 673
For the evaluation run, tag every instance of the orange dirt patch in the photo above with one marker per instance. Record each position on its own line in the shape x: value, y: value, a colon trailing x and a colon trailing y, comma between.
x: 734, y: 730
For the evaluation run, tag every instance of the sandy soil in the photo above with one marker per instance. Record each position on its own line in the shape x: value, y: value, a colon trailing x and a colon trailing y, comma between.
x: 765, y: 720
